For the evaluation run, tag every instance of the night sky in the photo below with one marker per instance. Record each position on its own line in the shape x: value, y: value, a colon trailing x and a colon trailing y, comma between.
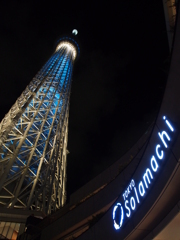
x: 118, y: 81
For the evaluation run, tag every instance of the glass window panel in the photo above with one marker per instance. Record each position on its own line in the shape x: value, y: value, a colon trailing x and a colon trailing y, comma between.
x: 10, y: 231
x: 2, y: 224
x: 6, y: 228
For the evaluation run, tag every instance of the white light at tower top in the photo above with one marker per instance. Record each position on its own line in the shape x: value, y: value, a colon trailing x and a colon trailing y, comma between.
x: 68, y: 46
x: 75, y: 31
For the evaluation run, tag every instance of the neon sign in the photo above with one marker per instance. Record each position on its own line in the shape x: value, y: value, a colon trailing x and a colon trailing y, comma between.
x: 134, y: 193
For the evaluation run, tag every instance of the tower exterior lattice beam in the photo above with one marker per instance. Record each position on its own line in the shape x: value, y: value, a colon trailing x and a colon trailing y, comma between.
x: 34, y: 135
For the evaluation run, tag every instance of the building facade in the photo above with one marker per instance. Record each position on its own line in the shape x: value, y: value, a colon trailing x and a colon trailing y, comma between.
x: 170, y: 19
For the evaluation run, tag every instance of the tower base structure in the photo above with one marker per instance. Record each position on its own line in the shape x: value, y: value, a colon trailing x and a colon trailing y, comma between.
x: 13, y: 221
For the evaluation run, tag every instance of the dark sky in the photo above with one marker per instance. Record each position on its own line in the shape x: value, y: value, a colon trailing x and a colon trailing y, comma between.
x: 118, y: 81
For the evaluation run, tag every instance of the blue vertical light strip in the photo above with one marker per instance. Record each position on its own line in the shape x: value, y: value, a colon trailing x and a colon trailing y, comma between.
x: 61, y: 73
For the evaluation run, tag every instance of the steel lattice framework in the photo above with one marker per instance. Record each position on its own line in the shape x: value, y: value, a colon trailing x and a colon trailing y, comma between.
x: 33, y: 137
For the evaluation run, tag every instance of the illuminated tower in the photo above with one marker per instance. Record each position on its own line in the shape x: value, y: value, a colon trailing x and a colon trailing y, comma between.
x: 33, y: 137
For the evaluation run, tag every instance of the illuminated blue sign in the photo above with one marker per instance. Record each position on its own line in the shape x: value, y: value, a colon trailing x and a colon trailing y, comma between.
x: 134, y: 193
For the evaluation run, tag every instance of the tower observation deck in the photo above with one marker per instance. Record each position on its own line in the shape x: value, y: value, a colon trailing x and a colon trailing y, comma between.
x: 34, y: 135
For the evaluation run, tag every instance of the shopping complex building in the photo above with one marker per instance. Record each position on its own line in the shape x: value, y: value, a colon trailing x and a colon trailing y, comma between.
x: 138, y: 197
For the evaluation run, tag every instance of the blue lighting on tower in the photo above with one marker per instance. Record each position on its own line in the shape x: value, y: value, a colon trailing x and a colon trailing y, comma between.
x: 36, y: 127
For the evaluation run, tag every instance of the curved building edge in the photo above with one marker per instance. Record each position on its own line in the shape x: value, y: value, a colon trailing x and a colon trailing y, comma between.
x: 161, y: 204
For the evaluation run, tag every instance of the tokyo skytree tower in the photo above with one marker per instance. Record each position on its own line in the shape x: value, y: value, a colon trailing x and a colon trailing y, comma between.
x: 33, y: 137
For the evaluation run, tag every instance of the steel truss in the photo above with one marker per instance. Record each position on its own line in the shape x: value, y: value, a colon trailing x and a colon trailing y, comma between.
x: 33, y: 139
